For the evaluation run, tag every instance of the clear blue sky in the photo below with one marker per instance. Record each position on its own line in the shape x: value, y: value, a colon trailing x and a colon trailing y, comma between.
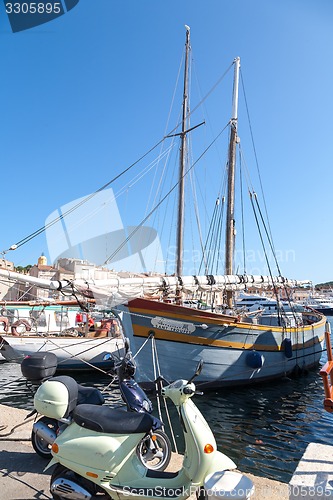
x: 85, y: 95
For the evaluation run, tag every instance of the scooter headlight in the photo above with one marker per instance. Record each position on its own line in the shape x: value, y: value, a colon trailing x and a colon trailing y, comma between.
x: 146, y: 405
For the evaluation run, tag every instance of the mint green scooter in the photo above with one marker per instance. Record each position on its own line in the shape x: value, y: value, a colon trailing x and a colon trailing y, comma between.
x: 97, y: 459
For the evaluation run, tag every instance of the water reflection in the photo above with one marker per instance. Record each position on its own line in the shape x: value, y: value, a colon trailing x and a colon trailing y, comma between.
x: 266, y: 429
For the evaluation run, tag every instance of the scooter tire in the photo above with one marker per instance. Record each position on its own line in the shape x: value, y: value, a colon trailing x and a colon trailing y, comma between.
x: 42, y: 447
x: 149, y: 458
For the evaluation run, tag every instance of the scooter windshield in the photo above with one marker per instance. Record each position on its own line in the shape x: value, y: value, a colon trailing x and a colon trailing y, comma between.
x: 177, y: 384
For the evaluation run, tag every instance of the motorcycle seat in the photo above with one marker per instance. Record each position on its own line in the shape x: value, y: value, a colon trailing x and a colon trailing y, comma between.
x: 111, y: 421
x: 89, y: 395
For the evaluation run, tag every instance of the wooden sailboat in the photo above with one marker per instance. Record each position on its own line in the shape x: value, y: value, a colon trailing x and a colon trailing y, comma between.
x: 170, y: 338
x: 235, y: 349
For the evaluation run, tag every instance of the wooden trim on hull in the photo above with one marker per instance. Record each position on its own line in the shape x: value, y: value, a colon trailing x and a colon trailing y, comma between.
x: 150, y: 308
x: 162, y: 335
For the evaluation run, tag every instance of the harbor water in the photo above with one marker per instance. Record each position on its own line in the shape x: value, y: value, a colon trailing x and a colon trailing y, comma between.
x: 265, y: 429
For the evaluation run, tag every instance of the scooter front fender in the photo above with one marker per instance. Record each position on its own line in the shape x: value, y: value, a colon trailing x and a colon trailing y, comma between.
x: 220, y: 463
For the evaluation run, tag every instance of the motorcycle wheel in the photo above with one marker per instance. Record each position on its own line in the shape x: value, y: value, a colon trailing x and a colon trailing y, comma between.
x: 42, y: 447
x: 155, y: 456
x: 61, y: 471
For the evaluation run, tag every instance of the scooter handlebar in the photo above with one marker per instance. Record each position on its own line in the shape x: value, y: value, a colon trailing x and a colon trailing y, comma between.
x: 188, y: 390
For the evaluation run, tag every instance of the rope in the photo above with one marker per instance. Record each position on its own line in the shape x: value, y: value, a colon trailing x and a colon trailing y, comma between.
x: 275, y: 258
x: 42, y: 229
x: 155, y: 365
x: 13, y: 429
x: 85, y: 200
x: 254, y: 149
x: 145, y: 342
x: 155, y: 362
x: 39, y: 493
x: 266, y: 256
x: 77, y: 356
x: 242, y: 213
x: 124, y: 243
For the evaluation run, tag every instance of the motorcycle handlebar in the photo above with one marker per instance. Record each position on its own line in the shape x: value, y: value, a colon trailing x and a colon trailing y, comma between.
x: 161, y: 379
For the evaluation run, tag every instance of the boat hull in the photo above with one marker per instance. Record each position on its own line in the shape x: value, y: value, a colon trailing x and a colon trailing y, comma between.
x: 234, y: 353
x: 327, y: 311
x: 73, y: 354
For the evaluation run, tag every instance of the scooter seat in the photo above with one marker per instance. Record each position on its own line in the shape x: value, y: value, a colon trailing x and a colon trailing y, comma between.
x: 111, y: 421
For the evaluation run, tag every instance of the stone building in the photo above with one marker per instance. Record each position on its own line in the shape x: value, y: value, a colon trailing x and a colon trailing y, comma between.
x: 44, y: 271
x: 8, y: 291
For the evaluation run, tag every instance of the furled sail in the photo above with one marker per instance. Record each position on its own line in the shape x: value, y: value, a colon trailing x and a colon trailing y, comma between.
x: 122, y: 289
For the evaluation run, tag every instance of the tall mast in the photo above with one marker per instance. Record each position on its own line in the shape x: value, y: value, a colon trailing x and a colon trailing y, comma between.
x: 230, y: 225
x: 182, y: 162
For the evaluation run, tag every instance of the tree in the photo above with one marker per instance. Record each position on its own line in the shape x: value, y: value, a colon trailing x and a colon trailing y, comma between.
x: 24, y: 270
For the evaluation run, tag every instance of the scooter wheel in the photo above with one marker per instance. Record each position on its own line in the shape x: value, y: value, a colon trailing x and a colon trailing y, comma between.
x: 40, y: 445
x: 155, y: 454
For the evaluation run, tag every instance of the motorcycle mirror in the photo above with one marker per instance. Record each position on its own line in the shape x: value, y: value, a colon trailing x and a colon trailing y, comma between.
x: 107, y: 356
x: 197, y: 371
x: 126, y: 344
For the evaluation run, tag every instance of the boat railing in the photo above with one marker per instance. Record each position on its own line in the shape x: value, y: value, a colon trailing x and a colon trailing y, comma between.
x: 326, y: 372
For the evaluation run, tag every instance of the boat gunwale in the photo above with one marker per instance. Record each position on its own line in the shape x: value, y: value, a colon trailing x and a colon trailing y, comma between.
x: 197, y: 317
x: 183, y: 338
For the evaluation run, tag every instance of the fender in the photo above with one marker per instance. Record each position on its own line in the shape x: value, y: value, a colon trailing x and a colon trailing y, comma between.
x: 52, y: 462
x: 20, y: 322
x: 4, y: 320
x: 221, y: 462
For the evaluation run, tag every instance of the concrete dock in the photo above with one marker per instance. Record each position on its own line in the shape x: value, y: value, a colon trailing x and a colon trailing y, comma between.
x: 21, y: 469
x: 313, y: 477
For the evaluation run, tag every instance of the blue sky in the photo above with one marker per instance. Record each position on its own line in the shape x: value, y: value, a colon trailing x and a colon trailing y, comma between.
x: 84, y: 96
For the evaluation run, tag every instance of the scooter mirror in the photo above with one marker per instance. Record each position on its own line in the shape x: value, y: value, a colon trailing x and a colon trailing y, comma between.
x: 197, y: 371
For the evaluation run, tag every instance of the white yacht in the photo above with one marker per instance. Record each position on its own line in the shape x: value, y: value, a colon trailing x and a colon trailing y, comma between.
x: 256, y: 302
x: 321, y: 303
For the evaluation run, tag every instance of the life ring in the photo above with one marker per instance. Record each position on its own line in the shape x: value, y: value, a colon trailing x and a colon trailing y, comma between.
x: 18, y: 323
x: 4, y: 320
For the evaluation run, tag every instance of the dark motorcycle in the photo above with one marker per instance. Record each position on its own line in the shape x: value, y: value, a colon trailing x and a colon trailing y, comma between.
x: 154, y: 450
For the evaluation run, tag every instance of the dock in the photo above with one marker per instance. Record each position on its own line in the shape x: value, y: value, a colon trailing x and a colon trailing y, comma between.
x: 21, y: 469
x: 313, y: 477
